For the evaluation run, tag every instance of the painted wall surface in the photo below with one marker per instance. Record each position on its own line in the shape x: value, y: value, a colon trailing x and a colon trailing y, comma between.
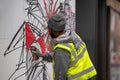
x: 12, y: 16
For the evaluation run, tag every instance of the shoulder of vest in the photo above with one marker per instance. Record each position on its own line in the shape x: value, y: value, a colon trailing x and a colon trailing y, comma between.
x: 66, y: 46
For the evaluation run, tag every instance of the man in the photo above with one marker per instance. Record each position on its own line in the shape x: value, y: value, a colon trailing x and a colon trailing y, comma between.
x: 70, y: 57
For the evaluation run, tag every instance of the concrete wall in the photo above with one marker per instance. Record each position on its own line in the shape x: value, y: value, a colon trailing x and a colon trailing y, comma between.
x: 11, y: 17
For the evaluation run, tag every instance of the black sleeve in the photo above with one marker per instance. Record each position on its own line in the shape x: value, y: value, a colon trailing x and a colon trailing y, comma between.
x: 48, y: 57
x: 61, y: 62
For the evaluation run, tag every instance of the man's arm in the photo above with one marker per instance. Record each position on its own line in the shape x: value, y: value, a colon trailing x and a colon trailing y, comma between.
x: 48, y: 57
x: 36, y: 54
x: 61, y: 62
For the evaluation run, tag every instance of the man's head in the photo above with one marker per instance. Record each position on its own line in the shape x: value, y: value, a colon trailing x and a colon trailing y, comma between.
x: 56, y: 25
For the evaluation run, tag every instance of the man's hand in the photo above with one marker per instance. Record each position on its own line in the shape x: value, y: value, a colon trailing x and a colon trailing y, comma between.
x: 35, y: 52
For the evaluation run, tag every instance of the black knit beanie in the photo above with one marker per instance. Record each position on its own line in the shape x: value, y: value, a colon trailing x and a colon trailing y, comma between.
x: 57, y: 22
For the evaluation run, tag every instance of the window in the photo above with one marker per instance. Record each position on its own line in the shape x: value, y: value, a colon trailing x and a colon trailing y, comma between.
x: 114, y: 44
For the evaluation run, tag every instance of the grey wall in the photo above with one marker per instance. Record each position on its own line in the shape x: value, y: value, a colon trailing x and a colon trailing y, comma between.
x: 86, y: 24
x: 11, y: 18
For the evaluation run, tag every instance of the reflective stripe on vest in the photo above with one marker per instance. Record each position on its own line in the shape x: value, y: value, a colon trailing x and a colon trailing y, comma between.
x: 67, y: 47
x: 80, y: 67
x: 79, y: 56
x: 82, y: 73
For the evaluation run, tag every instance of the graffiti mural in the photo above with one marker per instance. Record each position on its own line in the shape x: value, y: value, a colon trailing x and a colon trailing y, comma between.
x: 34, y: 31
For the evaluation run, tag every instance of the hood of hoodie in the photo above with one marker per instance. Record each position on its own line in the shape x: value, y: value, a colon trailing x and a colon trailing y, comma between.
x: 63, y: 38
x: 69, y: 36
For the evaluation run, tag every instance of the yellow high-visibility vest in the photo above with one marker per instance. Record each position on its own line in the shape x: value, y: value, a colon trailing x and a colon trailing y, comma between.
x: 80, y: 67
